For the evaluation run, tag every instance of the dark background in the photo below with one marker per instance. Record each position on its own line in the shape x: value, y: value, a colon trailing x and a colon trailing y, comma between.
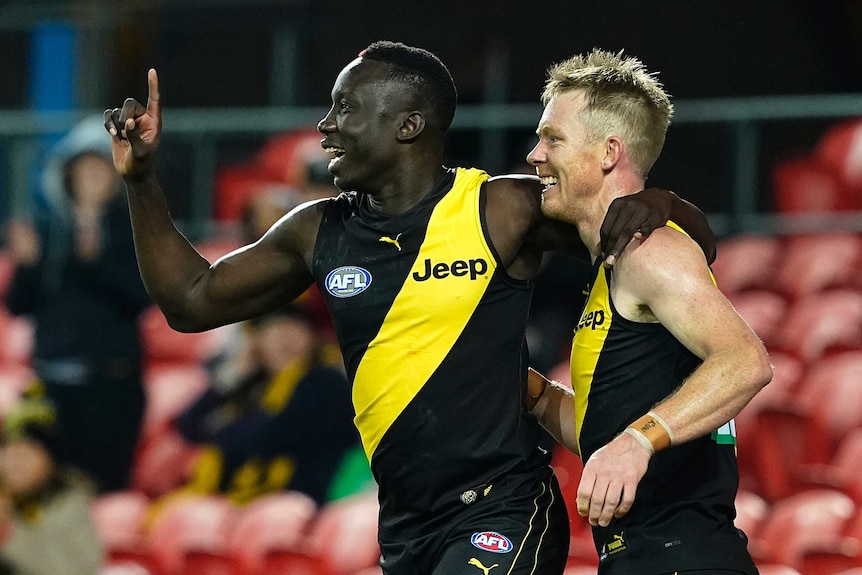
x: 223, y: 53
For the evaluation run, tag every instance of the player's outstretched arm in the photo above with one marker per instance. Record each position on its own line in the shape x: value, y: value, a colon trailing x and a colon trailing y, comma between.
x: 192, y: 294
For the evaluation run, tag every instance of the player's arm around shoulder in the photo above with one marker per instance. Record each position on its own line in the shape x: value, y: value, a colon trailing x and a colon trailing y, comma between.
x: 517, y: 225
x: 666, y: 279
x: 257, y: 278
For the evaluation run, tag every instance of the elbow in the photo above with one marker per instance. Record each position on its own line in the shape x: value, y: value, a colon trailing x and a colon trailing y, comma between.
x: 761, y: 371
x: 184, y: 323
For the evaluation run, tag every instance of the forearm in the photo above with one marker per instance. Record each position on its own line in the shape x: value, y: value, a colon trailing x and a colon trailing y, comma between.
x: 690, y: 218
x: 714, y: 394
x: 554, y: 408
x: 170, y: 266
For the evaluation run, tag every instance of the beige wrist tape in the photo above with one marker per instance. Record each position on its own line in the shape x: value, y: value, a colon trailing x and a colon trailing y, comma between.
x: 653, y: 430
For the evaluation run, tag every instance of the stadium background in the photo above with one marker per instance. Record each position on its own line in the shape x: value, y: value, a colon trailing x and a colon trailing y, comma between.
x: 756, y: 85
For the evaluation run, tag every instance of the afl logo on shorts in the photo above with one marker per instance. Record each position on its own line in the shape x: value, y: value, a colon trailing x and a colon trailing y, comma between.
x: 491, y: 541
x: 347, y: 281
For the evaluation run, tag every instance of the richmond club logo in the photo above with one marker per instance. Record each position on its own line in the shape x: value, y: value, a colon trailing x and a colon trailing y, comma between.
x: 347, y: 281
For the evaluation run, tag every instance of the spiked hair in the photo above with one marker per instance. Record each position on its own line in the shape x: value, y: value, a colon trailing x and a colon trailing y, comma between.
x: 623, y: 98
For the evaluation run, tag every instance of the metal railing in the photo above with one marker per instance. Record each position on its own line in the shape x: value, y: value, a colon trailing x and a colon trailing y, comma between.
x: 204, y: 129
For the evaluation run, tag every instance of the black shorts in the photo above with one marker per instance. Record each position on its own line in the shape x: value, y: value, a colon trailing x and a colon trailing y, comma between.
x: 502, y: 534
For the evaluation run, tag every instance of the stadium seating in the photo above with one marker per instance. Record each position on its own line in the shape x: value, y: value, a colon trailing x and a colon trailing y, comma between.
x: 814, y: 519
x: 164, y: 345
x: 119, y: 519
x: 804, y: 186
x: 763, y: 310
x: 816, y: 262
x: 822, y: 322
x: 170, y: 388
x: 747, y: 262
x: 277, y: 522
x: 839, y: 150
x: 163, y: 462
x: 190, y: 536
x: 751, y: 511
x: 344, y: 535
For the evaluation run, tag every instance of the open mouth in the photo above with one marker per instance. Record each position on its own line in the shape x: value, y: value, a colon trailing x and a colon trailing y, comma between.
x: 335, y: 151
x: 548, y: 181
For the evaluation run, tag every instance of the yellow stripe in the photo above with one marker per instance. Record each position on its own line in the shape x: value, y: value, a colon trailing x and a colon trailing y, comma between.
x: 412, y: 341
x: 587, y: 346
x: 529, y: 529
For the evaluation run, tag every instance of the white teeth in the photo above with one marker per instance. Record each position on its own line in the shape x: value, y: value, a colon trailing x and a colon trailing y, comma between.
x: 333, y: 150
x: 549, y: 181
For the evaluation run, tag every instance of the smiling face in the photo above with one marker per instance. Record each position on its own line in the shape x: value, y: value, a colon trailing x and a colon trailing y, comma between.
x: 360, y: 130
x: 566, y: 159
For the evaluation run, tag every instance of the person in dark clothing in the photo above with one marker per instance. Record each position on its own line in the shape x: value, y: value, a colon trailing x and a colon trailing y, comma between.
x: 76, y: 278
x: 253, y: 420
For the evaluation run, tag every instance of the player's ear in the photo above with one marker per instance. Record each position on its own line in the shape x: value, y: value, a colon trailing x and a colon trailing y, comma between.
x: 614, y: 148
x: 412, y: 126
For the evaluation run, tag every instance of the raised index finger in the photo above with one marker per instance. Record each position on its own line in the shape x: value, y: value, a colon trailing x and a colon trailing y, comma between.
x: 153, y: 107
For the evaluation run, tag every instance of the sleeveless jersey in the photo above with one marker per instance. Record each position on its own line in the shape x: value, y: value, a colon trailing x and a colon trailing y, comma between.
x: 431, y: 329
x: 682, y: 518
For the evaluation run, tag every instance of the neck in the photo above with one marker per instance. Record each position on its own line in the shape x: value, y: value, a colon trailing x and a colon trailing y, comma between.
x: 590, y: 224
x: 405, y: 189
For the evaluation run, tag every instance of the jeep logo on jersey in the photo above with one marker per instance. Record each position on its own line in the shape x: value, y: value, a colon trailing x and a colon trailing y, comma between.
x: 592, y: 319
x: 491, y: 541
x: 347, y: 281
x: 458, y: 268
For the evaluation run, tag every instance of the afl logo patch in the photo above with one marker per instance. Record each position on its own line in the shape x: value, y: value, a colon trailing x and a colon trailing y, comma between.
x: 347, y: 281
x: 491, y: 541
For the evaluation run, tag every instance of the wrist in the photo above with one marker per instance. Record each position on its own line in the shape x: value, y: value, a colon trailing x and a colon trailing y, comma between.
x: 651, y: 431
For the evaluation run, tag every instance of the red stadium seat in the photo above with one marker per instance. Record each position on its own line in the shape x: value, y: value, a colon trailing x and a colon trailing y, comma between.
x: 773, y: 569
x: 190, y: 536
x: 580, y: 570
x: 747, y: 262
x: 16, y: 339
x: 840, y: 151
x: 233, y: 186
x: 815, y: 262
x: 809, y: 431
x: 803, y: 185
x: 170, y: 389
x: 163, y: 462
x: 164, y: 345
x: 810, y: 520
x: 778, y: 395
x: 119, y: 518
x: 352, y: 523
x: 751, y: 511
x: 763, y: 310
x: 276, y: 522
x: 285, y: 157
x: 821, y: 323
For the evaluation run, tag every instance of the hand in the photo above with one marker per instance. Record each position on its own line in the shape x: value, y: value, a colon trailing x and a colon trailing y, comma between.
x: 23, y: 242
x: 135, y: 132
x: 610, y: 478
x: 633, y: 217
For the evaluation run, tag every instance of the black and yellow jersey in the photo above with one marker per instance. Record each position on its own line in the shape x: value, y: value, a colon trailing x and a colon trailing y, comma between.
x: 432, y: 333
x: 682, y: 518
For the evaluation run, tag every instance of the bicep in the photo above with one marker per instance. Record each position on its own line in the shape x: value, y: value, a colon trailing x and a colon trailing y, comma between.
x: 678, y: 289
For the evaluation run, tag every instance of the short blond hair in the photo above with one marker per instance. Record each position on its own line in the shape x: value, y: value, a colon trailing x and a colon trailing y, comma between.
x: 623, y: 98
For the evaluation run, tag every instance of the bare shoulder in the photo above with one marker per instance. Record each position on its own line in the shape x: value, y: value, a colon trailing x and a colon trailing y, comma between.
x: 297, y: 230
x: 667, y: 258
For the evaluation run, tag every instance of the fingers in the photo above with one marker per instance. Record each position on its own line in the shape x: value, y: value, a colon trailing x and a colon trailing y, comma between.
x: 153, y: 107
x: 599, y: 501
x: 628, y: 499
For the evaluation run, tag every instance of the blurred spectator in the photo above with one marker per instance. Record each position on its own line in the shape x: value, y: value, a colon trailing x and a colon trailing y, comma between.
x: 44, y: 507
x: 76, y: 277
x: 261, y: 422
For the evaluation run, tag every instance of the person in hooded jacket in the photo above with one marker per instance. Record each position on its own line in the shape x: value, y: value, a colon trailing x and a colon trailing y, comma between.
x: 77, y: 280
